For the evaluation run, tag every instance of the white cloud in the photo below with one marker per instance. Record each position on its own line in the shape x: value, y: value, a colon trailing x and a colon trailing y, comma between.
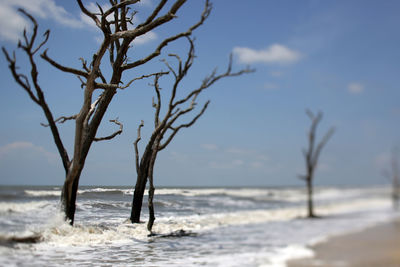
x: 275, y: 53
x: 13, y: 22
x: 148, y: 37
x: 24, y: 147
x: 209, y: 147
x: 92, y: 7
x: 148, y: 3
x: 270, y: 86
x: 355, y: 88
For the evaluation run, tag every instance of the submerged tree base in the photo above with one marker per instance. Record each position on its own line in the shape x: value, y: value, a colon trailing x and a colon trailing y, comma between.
x: 314, y: 217
x: 178, y: 233
x: 9, y: 241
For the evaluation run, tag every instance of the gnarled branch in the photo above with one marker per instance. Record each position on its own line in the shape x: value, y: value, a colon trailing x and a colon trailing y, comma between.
x: 109, y: 137
x: 61, y: 119
x: 185, y: 125
x: 157, y: 51
x: 136, y: 147
x: 24, y: 82
x: 116, y: 86
x: 61, y: 67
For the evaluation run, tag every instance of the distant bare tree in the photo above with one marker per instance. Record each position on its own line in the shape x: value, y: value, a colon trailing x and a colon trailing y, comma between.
x: 117, y: 40
x: 394, y: 176
x: 311, y: 155
x: 168, y: 125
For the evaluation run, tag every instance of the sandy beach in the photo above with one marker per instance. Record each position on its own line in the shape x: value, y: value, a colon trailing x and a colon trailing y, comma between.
x: 373, y: 247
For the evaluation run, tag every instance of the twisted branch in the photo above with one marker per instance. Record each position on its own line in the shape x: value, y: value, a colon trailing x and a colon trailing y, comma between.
x: 136, y: 147
x: 61, y: 119
x: 109, y: 137
x: 24, y: 82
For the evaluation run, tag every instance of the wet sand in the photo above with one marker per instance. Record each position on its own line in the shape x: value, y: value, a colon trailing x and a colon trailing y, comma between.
x: 377, y: 246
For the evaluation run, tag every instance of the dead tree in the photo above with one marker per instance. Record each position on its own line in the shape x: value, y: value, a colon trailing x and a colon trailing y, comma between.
x: 311, y: 156
x: 167, y: 126
x: 394, y: 176
x: 117, y: 40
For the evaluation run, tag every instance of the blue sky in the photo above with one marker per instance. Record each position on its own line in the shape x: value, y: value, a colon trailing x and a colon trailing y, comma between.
x: 339, y: 57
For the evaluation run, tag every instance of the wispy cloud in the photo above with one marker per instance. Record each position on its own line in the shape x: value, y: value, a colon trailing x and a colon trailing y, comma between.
x: 144, y: 39
x: 274, y: 54
x: 148, y: 3
x: 270, y: 86
x: 12, y: 22
x: 23, y: 147
x: 355, y: 88
x: 209, y: 147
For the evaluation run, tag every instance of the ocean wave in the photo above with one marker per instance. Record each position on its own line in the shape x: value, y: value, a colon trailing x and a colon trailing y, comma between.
x: 43, y: 193
x: 100, y: 190
x: 57, y: 231
x: 7, y: 207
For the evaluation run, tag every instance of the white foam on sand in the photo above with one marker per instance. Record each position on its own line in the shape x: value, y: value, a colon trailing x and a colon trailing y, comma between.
x: 279, y: 257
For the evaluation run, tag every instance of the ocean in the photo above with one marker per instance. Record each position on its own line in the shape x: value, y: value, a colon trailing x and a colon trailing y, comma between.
x: 227, y: 226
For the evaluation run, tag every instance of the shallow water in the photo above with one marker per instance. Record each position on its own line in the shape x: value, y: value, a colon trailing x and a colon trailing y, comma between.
x: 233, y: 226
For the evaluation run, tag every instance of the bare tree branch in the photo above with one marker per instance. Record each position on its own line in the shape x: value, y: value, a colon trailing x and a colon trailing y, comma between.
x: 144, y: 28
x: 175, y: 109
x: 119, y: 5
x: 155, y: 13
x: 109, y: 137
x: 211, y: 79
x: 89, y: 14
x: 61, y: 119
x: 61, y: 67
x: 24, y: 82
x: 21, y: 79
x: 46, y: 37
x: 115, y: 86
x: 311, y: 156
x: 186, y: 125
x: 136, y: 147
x: 84, y: 64
x: 321, y: 144
x: 157, y: 51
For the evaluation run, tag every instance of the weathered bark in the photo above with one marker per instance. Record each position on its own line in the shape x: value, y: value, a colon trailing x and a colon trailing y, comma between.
x: 138, y: 198
x: 152, y: 189
x: 167, y: 127
x: 68, y: 197
x: 117, y: 40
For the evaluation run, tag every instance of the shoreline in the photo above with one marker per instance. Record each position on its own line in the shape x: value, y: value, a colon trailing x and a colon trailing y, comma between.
x: 377, y: 245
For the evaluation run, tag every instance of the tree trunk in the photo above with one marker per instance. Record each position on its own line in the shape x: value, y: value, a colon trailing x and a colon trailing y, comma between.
x: 310, y: 206
x: 151, y: 185
x: 141, y: 181
x: 138, y: 197
x: 69, y: 194
x: 395, y: 200
x: 151, y: 207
